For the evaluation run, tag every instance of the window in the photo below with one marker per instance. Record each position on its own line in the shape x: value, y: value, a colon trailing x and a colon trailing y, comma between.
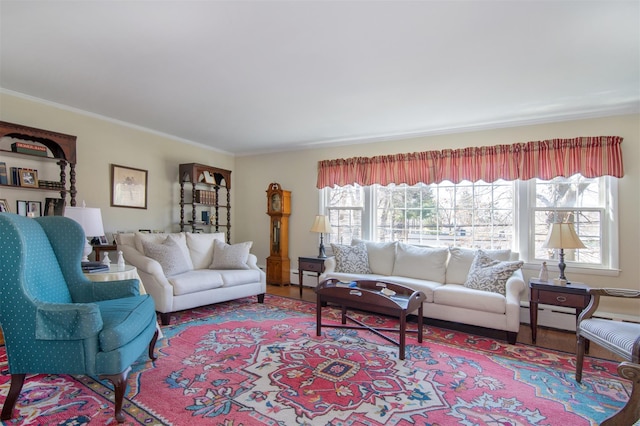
x: 499, y: 215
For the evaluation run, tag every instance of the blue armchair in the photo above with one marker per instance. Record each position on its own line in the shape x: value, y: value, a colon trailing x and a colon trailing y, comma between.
x: 56, y: 321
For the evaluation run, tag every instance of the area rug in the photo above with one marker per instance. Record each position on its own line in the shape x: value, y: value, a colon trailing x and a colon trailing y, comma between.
x: 242, y: 363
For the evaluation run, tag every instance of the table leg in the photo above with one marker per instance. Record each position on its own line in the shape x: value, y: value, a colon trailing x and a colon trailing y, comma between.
x: 344, y: 314
x: 318, y: 315
x: 533, y: 314
x: 300, y: 281
x: 403, y: 334
x: 420, y: 322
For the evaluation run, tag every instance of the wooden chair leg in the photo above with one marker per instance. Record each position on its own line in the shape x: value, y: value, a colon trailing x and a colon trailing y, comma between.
x: 165, y: 318
x: 630, y: 413
x: 120, y: 386
x: 152, y: 346
x: 17, y: 380
x: 579, y: 358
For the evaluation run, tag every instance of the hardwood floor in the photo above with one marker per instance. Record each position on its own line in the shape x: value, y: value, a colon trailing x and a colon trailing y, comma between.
x: 560, y: 340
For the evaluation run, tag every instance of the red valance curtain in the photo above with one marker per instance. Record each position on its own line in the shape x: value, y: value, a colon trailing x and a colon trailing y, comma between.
x: 590, y: 156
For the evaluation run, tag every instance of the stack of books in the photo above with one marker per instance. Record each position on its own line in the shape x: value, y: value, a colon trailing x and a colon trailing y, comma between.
x: 93, y: 267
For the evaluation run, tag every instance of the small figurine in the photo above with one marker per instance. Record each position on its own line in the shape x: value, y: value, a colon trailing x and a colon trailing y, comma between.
x: 544, y: 272
x: 120, y: 261
x: 105, y: 259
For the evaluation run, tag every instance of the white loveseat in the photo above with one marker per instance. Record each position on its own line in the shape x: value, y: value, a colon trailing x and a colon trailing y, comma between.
x: 185, y: 270
x: 491, y: 298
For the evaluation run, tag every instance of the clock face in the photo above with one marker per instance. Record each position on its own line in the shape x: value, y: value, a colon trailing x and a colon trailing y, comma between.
x: 276, y: 203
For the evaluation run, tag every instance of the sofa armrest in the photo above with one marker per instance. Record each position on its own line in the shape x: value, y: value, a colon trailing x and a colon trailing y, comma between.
x: 152, y: 276
x: 329, y: 267
x: 514, y: 288
x: 252, y: 262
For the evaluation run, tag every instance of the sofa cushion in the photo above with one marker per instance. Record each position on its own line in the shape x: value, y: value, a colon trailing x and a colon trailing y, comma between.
x: 491, y: 275
x: 195, y: 281
x: 477, y: 300
x: 179, y: 237
x: 460, y: 260
x: 201, y: 248
x: 169, y: 254
x: 425, y: 263
x: 351, y: 259
x: 425, y: 286
x: 381, y: 256
x: 234, y: 256
x: 231, y: 278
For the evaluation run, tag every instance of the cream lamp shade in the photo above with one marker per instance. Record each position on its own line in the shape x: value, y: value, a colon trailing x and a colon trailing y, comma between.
x: 562, y: 236
x: 322, y: 226
x: 90, y: 219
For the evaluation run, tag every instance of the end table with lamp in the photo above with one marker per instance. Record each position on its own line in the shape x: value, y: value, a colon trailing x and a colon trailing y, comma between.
x: 310, y: 264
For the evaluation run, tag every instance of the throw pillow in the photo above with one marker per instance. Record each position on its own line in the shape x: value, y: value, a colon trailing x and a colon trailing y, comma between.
x: 381, y: 255
x: 460, y: 260
x: 424, y: 263
x: 232, y: 256
x: 169, y: 255
x: 351, y: 259
x: 488, y: 274
x: 201, y: 248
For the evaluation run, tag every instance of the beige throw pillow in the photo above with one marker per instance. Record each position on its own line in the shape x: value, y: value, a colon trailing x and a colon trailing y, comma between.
x: 488, y: 274
x: 232, y: 256
x: 351, y: 259
x: 424, y: 263
x: 169, y: 255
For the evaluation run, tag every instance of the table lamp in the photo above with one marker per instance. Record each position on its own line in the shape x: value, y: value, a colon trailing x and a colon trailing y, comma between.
x: 321, y: 225
x: 91, y: 221
x: 562, y: 236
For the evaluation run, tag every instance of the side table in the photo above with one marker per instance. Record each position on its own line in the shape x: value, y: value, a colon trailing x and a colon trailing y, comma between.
x: 573, y: 295
x: 311, y: 264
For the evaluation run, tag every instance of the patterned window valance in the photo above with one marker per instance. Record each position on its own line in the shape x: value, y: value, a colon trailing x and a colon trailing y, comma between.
x: 590, y: 156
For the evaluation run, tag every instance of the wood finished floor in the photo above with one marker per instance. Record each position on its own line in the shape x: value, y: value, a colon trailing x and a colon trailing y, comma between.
x: 560, y: 340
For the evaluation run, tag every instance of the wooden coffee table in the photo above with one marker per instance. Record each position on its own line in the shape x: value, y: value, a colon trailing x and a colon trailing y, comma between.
x: 367, y: 295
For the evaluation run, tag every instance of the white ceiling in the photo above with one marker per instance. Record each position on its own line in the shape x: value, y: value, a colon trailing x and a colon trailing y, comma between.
x: 258, y: 76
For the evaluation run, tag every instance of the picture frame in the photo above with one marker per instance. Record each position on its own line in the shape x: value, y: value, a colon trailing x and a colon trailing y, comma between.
x: 21, y: 207
x: 128, y: 187
x: 103, y: 241
x: 34, y: 208
x: 54, y: 207
x: 28, y: 178
x: 4, y: 206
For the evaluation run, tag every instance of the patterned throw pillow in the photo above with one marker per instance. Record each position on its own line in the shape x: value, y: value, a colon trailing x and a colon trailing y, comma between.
x: 351, y: 259
x: 488, y: 274
x: 232, y: 256
x: 169, y: 254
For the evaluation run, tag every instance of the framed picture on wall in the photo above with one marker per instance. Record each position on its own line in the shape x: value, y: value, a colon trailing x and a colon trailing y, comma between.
x: 128, y: 187
x: 54, y: 207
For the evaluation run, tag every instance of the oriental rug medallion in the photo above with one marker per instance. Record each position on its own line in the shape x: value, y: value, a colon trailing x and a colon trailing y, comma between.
x: 242, y: 363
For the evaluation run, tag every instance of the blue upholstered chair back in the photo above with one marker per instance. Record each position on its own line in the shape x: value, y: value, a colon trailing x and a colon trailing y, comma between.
x: 34, y: 263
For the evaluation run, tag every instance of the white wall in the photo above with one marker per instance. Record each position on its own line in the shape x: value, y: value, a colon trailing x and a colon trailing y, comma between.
x: 102, y: 143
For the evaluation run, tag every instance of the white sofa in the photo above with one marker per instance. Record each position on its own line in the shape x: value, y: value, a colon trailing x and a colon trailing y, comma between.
x: 185, y: 270
x: 441, y: 273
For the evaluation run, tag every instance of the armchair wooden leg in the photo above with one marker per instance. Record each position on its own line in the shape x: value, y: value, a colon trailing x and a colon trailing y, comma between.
x: 120, y: 386
x: 630, y: 413
x: 261, y: 298
x: 152, y: 346
x: 579, y: 358
x: 17, y: 380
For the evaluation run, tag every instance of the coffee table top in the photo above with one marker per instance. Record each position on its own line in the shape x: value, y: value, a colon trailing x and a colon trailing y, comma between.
x: 367, y: 293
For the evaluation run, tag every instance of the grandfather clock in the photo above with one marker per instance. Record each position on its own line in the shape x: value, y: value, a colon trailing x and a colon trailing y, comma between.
x: 278, y: 209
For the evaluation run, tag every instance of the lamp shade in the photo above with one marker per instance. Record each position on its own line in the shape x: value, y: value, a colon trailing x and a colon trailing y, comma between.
x: 89, y: 218
x: 321, y: 224
x: 563, y: 236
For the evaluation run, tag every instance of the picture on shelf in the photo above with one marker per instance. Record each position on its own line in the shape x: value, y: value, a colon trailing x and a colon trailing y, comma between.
x: 54, y: 207
x: 28, y: 177
x: 34, y: 209
x: 4, y: 206
x: 103, y: 240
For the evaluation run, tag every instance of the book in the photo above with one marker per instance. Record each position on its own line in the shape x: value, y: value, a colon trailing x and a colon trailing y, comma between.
x: 27, y: 148
x: 4, y: 179
x: 15, y: 178
x: 92, y: 267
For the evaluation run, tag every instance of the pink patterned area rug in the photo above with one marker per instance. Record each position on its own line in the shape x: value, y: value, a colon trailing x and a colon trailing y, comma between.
x: 242, y: 363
